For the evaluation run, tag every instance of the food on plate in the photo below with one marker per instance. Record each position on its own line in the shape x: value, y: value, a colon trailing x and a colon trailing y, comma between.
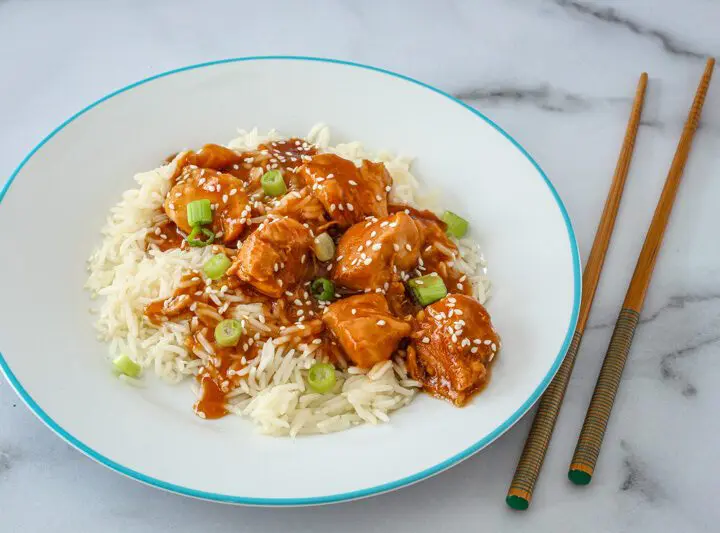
x: 302, y: 285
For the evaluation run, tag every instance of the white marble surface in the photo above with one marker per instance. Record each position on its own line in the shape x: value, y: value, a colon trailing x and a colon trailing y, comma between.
x: 559, y: 75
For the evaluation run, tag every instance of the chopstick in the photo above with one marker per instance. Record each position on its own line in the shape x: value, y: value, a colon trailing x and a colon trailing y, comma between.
x: 532, y: 457
x: 591, y: 436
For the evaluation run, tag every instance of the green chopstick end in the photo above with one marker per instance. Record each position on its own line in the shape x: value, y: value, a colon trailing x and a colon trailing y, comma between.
x: 517, y: 503
x: 579, y: 477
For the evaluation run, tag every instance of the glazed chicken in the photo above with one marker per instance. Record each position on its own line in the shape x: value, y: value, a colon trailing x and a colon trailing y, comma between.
x: 226, y: 194
x: 348, y: 193
x: 275, y: 257
x: 367, y: 332
x: 370, y: 254
x: 452, y: 348
x: 214, y: 156
x: 334, y: 267
x: 303, y: 206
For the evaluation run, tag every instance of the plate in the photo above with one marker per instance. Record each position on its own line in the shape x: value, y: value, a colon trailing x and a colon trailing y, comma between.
x: 56, y: 201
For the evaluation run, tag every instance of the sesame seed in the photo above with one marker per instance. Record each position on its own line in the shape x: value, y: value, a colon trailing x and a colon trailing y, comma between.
x: 298, y: 301
x: 487, y: 342
x: 288, y: 293
x: 332, y: 207
x: 384, y: 223
x: 225, y: 198
x: 341, y: 207
x: 477, y: 341
x: 368, y: 260
x: 426, y: 340
x: 360, y: 248
x: 388, y: 188
x: 275, y: 267
x: 454, y: 337
x: 493, y: 347
x: 380, y: 322
x: 354, y: 311
x: 396, y: 247
x: 378, y: 198
x: 317, y: 341
x: 465, y: 342
x: 474, y: 349
x: 419, y: 282
x: 373, y: 233
x: 459, y: 286
x: 280, y: 282
x: 350, y: 207
x: 353, y: 183
x: 408, y: 247
x: 233, y: 192
x: 302, y: 259
x: 376, y: 246
x: 463, y: 278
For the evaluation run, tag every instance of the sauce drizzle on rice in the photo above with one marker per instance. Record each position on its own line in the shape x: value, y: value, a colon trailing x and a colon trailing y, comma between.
x: 162, y: 310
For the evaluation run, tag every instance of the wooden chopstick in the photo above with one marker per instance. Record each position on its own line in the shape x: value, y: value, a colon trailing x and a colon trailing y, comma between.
x: 598, y: 413
x: 532, y: 457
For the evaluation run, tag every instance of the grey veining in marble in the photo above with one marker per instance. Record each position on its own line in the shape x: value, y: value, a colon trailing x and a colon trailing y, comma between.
x: 557, y: 74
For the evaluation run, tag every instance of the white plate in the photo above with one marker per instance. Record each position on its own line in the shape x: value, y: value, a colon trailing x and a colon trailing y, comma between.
x: 61, y: 193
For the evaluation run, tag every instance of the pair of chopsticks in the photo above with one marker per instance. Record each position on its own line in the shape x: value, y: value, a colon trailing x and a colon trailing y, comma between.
x: 591, y: 436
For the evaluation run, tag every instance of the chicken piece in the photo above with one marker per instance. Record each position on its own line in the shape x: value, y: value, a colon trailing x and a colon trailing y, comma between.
x: 367, y: 332
x: 302, y: 206
x: 274, y: 258
x: 452, y: 348
x: 348, y: 193
x: 215, y: 157
x: 226, y: 194
x: 371, y: 254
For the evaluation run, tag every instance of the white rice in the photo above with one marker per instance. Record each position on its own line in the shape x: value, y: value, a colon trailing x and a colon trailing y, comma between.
x: 273, y: 395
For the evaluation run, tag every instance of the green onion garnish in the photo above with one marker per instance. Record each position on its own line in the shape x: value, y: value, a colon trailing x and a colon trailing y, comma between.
x: 199, y: 212
x: 323, y: 289
x: 427, y: 289
x: 228, y: 332
x: 321, y: 377
x: 324, y: 247
x: 457, y: 226
x: 194, y: 241
x: 216, y: 266
x: 124, y: 365
x: 273, y: 183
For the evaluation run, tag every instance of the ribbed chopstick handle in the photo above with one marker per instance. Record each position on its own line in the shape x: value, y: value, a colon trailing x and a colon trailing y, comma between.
x: 598, y: 413
x: 533, y: 455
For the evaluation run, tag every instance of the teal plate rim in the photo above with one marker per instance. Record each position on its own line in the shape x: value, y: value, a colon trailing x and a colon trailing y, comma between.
x: 332, y: 498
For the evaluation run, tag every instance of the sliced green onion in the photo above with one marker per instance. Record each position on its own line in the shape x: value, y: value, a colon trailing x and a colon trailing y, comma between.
x: 427, y: 289
x: 228, y: 332
x: 199, y: 212
x: 323, y: 289
x: 216, y: 266
x: 273, y: 183
x: 324, y: 247
x: 457, y: 226
x: 321, y: 377
x: 194, y: 241
x: 127, y: 366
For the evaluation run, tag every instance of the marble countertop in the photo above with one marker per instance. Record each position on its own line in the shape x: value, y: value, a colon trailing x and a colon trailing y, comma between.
x: 559, y: 75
